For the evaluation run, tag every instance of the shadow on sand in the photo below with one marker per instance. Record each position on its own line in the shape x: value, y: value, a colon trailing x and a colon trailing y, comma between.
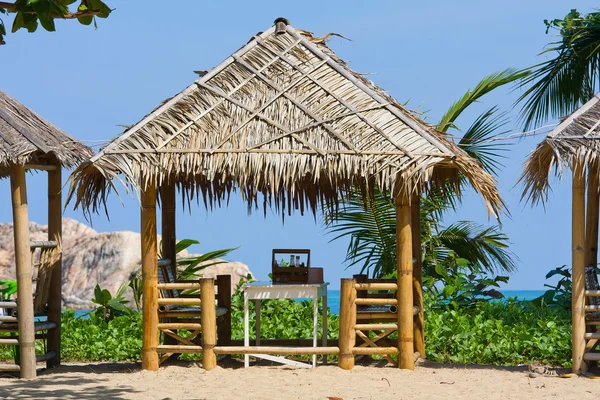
x: 57, y: 384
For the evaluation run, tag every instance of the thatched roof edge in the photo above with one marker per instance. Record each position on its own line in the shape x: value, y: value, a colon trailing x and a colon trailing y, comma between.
x: 576, y: 140
x: 301, y: 177
x: 26, y: 137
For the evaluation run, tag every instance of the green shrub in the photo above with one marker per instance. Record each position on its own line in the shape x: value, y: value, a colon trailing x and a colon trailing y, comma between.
x: 499, y: 333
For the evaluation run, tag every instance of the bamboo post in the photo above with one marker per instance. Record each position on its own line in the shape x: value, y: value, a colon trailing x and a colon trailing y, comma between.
x: 24, y: 271
x: 55, y: 234
x: 347, y: 335
x: 208, y: 319
x: 419, y: 320
x: 169, y: 239
x: 591, y: 220
x: 360, y: 294
x: 149, y: 279
x: 405, y: 283
x: 224, y: 300
x: 578, y: 265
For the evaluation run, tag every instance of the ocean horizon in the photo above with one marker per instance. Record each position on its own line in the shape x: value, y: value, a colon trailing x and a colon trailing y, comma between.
x: 333, y: 297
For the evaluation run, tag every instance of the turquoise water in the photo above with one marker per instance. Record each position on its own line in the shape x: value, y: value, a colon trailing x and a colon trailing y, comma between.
x: 333, y: 297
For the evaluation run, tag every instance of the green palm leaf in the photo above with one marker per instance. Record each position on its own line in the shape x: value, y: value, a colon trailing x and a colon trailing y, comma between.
x: 557, y: 87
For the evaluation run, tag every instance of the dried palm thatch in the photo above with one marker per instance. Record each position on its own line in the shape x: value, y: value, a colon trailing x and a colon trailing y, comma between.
x: 25, y: 137
x: 576, y: 140
x: 284, y: 117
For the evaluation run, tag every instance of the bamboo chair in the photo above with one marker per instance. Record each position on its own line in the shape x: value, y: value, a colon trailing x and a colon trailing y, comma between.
x: 592, y: 284
x: 372, y: 315
x: 43, y: 262
x: 175, y: 317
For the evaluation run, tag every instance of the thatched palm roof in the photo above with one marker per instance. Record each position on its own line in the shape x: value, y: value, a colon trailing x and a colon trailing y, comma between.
x: 25, y: 137
x: 575, y: 140
x: 285, y: 117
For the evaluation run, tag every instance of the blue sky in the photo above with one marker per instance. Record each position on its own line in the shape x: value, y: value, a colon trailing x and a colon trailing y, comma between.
x: 89, y: 82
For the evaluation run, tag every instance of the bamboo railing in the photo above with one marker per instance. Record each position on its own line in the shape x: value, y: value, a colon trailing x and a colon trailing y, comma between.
x: 192, y: 312
x: 357, y: 319
x: 43, y: 255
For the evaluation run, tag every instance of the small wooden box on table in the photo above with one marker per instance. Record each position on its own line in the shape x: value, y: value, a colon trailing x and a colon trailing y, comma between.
x: 284, y: 272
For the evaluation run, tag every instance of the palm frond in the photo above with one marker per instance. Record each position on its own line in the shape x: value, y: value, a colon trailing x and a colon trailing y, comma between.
x: 486, y: 85
x: 479, y: 140
x: 485, y: 247
x: 558, y: 86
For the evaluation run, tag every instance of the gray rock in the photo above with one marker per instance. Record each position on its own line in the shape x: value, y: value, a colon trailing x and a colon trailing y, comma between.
x: 91, y: 258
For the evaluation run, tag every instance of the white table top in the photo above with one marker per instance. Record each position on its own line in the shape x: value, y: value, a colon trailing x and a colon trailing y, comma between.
x: 269, y: 284
x: 270, y: 290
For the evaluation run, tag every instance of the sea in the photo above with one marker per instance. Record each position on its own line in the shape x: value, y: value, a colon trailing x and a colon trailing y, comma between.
x: 333, y: 299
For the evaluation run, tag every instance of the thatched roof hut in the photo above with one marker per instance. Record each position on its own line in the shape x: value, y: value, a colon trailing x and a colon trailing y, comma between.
x: 27, y: 138
x: 573, y: 145
x: 29, y: 142
x: 575, y: 140
x: 285, y: 117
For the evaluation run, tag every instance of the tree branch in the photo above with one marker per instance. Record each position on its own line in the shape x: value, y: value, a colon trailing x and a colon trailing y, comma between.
x: 12, y: 7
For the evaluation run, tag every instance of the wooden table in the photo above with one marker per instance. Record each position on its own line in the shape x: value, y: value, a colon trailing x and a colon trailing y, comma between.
x: 267, y: 290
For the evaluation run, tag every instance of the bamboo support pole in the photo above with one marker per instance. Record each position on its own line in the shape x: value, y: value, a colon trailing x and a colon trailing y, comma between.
x: 375, y: 350
x: 190, y: 326
x: 376, y: 286
x: 9, y: 368
x: 179, y: 349
x: 179, y: 301
x: 405, y: 284
x: 168, y: 230
x: 179, y: 285
x: 24, y: 271
x: 377, y: 302
x: 292, y: 351
x: 224, y: 301
x: 149, y: 278
x: 419, y: 320
x: 55, y: 235
x: 578, y: 265
x: 209, y: 323
x: 372, y: 327
x: 347, y: 334
x: 591, y: 220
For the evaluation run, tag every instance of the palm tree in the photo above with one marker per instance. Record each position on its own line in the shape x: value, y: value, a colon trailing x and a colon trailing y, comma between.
x: 558, y: 86
x: 371, y: 223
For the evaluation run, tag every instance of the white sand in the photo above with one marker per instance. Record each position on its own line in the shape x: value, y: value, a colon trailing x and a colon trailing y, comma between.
x: 429, y: 381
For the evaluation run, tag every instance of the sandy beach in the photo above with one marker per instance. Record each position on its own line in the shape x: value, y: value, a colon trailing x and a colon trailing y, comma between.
x: 189, y: 381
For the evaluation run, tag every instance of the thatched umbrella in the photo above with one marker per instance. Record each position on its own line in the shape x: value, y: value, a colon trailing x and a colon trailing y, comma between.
x: 286, y: 118
x: 573, y: 144
x: 27, y: 141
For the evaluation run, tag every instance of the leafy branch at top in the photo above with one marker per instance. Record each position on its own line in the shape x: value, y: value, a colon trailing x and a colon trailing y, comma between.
x: 31, y: 13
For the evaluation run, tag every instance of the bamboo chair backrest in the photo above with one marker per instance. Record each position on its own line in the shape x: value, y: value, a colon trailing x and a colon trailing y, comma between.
x: 166, y: 274
x: 591, y: 283
x: 44, y: 256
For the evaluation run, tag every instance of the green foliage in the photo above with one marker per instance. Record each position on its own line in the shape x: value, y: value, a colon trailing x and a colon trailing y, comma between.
x: 110, y: 307
x: 31, y: 13
x: 95, y: 339
x: 499, y: 333
x: 9, y: 288
x: 558, y: 86
x: 559, y: 294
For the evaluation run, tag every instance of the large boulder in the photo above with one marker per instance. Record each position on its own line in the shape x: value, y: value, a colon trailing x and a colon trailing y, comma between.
x: 91, y: 258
